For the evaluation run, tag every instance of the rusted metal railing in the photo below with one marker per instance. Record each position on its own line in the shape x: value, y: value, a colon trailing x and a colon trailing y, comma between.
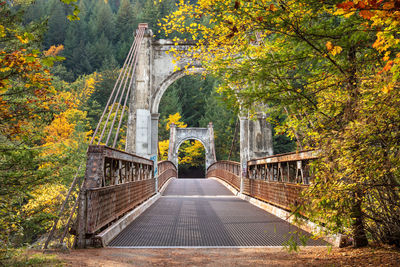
x: 290, y: 167
x: 279, y: 179
x: 115, y: 182
x: 166, y: 170
x: 229, y: 171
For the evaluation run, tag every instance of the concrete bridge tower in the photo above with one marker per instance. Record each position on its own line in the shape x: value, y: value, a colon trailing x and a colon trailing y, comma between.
x: 155, y: 72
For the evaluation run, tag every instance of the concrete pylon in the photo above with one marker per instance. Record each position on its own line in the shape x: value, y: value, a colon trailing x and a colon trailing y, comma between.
x: 156, y: 70
x: 255, y: 140
x: 179, y: 135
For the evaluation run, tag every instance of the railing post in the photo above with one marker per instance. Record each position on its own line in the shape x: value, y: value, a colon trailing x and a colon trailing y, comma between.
x: 81, y: 231
x: 155, y: 171
x: 244, y: 149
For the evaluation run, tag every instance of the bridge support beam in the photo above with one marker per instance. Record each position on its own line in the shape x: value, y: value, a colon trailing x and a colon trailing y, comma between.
x: 140, y: 120
x: 255, y: 141
x: 156, y: 70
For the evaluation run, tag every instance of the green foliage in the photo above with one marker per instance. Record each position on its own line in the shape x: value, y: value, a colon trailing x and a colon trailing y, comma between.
x: 100, y: 39
x: 333, y: 72
x: 20, y: 258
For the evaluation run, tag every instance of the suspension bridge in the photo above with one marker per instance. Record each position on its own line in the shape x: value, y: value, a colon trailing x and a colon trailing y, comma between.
x: 127, y: 198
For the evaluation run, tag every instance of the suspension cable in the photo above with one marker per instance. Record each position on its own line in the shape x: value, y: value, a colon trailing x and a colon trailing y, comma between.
x: 132, y: 68
x: 126, y: 98
x: 112, y: 93
x: 127, y: 67
x: 115, y: 97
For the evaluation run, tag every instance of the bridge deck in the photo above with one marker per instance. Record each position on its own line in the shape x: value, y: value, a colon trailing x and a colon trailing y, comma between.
x: 203, y: 213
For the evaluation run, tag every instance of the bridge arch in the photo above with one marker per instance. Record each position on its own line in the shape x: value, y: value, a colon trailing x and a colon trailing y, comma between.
x: 203, y: 135
x: 191, y: 138
x: 162, y: 88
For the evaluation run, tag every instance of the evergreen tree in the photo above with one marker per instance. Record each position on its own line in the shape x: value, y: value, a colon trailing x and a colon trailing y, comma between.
x: 57, y: 24
x: 125, y: 22
x: 125, y: 25
x: 34, y: 12
x: 102, y: 22
x: 194, y: 90
x: 78, y: 61
x: 100, y: 49
x: 169, y: 104
x: 224, y: 122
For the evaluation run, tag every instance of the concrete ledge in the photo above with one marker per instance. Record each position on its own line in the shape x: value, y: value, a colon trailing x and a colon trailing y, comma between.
x: 162, y: 189
x: 108, y: 234
x: 306, y: 225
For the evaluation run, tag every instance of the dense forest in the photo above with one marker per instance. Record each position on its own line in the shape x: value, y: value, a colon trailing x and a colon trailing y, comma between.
x: 332, y: 67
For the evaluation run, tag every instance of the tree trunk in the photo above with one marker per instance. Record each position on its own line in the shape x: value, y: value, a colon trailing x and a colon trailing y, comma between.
x: 359, y: 236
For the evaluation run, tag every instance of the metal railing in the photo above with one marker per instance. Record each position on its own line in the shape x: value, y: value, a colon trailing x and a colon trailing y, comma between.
x: 229, y: 171
x: 277, y: 179
x: 115, y: 182
x: 289, y: 168
x: 166, y: 170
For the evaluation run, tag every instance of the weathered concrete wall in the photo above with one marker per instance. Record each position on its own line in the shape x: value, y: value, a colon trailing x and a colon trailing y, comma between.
x: 255, y: 141
x: 180, y: 135
x: 155, y: 72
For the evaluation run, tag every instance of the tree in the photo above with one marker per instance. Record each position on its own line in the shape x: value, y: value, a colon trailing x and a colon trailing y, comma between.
x: 153, y: 11
x: 101, y: 21
x: 224, y: 124
x: 57, y: 24
x: 317, y: 63
x: 28, y: 104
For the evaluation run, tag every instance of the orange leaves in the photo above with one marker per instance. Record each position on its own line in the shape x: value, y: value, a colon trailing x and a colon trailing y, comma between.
x: 54, y: 50
x: 329, y: 45
x: 369, y: 8
x: 357, y: 4
x: 389, y: 5
x: 388, y: 65
x: 366, y: 14
x: 24, y: 88
x: 272, y: 7
x: 346, y: 5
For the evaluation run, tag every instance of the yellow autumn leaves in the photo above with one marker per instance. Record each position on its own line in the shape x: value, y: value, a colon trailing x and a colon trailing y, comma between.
x: 62, y: 134
x: 333, y: 49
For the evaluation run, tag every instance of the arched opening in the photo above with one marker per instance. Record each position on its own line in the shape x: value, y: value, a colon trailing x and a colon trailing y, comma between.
x: 191, y: 101
x: 184, y: 103
x: 170, y: 80
x: 191, y: 159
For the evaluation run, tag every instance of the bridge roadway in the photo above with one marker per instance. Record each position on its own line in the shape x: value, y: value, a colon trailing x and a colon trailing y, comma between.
x: 204, y: 213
